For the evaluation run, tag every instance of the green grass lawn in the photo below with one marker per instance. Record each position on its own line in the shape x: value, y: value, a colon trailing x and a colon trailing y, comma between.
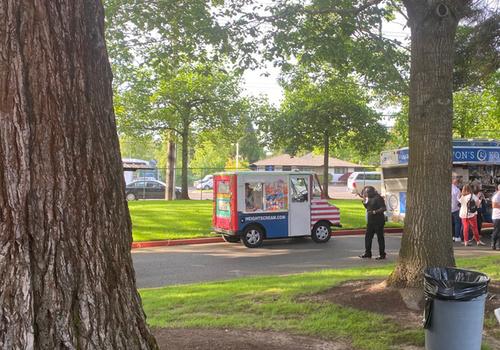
x: 161, y: 220
x: 282, y: 304
x: 183, y: 219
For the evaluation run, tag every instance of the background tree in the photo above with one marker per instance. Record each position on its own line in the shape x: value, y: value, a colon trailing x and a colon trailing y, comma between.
x: 65, y: 231
x: 345, y: 35
x: 161, y: 38
x: 426, y: 242
x: 138, y: 148
x: 212, y: 151
x: 472, y: 113
x: 250, y: 147
x: 475, y: 78
x: 195, y: 99
x: 211, y: 156
x: 324, y: 112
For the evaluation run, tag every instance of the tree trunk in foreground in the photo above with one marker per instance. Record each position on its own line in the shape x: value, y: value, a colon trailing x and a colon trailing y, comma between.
x: 65, y: 232
x: 427, y: 235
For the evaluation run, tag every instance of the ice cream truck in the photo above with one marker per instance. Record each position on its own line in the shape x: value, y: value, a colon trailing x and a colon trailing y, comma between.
x: 256, y: 205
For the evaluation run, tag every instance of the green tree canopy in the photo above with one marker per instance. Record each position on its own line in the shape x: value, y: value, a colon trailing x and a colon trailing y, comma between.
x: 324, y: 111
x: 197, y: 99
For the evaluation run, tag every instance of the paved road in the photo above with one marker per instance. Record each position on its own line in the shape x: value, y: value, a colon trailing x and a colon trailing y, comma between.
x: 163, y: 266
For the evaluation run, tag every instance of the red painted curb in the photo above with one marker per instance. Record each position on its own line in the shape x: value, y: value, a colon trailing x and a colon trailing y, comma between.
x: 176, y: 242
x: 171, y: 242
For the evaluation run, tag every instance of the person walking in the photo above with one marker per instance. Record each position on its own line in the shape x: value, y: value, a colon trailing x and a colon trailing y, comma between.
x: 455, y: 209
x: 469, y: 218
x: 375, y: 207
x: 495, y: 236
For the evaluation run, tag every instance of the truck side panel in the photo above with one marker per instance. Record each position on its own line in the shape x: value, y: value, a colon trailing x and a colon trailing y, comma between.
x: 275, y: 224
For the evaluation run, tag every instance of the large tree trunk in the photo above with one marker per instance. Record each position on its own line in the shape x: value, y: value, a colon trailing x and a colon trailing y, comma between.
x: 326, y: 157
x: 65, y: 232
x: 170, y: 173
x: 185, y: 152
x: 426, y: 238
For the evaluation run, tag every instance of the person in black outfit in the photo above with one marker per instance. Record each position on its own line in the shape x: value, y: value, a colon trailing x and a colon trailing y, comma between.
x: 375, y: 207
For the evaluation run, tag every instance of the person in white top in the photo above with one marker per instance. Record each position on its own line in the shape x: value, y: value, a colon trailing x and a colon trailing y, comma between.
x: 468, y: 218
x: 456, y: 221
x: 495, y: 236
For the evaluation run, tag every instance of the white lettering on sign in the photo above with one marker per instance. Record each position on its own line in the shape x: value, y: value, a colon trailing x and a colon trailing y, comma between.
x: 494, y: 155
x: 463, y: 155
x: 267, y: 217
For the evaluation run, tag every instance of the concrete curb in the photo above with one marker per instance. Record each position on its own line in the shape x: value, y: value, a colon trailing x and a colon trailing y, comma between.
x: 173, y: 242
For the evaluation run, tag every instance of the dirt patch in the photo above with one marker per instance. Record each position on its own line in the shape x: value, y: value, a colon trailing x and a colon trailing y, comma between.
x: 368, y: 295
x: 220, y: 339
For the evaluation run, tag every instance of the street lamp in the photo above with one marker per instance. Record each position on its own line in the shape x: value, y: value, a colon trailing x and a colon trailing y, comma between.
x: 237, y: 153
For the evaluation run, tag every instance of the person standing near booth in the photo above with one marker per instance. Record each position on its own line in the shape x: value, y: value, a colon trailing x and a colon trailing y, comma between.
x: 495, y: 236
x: 468, y: 217
x: 455, y: 210
x: 375, y: 208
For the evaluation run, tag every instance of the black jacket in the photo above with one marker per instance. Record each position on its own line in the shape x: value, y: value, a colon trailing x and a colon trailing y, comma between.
x: 375, y: 203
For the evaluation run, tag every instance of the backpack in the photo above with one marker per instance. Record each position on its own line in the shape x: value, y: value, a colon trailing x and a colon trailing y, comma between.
x: 471, y: 206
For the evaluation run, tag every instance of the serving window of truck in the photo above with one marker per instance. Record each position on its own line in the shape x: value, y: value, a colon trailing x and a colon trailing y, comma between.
x: 252, y: 206
x: 475, y: 161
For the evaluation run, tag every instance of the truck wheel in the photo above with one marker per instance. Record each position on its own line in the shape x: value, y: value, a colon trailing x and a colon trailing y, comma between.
x: 252, y: 236
x: 321, y: 232
x: 131, y: 197
x: 231, y: 238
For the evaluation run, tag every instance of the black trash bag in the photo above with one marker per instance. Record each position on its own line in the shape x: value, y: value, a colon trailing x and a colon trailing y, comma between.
x: 447, y: 283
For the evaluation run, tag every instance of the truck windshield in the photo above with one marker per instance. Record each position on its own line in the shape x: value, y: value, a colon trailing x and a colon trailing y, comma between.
x: 299, y: 190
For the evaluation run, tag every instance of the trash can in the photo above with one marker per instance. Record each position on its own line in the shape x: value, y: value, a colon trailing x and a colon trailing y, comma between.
x: 454, y: 308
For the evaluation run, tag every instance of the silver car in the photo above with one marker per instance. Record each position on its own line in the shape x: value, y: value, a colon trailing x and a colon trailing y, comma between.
x: 359, y: 180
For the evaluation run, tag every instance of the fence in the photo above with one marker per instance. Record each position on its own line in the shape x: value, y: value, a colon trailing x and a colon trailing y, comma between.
x: 200, y: 184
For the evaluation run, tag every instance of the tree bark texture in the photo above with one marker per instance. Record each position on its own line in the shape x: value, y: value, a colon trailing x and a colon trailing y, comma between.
x: 185, y: 151
x: 326, y: 158
x: 65, y: 231
x: 170, y: 172
x: 427, y: 234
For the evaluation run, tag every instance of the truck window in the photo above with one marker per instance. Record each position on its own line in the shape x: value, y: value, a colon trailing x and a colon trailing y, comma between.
x: 253, y: 196
x: 299, y: 190
x: 223, y: 187
x: 395, y: 173
x: 316, y: 188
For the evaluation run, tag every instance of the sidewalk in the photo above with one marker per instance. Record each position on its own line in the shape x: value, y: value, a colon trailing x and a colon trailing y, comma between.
x: 219, y: 239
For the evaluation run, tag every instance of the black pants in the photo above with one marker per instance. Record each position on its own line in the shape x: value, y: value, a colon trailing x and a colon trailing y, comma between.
x: 371, y: 230
x: 495, y: 236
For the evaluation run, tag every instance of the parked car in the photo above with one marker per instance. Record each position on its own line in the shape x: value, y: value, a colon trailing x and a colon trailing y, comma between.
x: 359, y: 180
x: 205, y: 180
x: 205, y: 185
x: 148, y: 189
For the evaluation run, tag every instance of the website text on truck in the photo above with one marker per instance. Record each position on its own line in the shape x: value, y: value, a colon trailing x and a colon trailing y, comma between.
x: 475, y: 161
x: 256, y: 205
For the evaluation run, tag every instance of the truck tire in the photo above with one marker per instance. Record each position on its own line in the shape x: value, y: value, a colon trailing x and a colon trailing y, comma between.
x: 252, y: 236
x: 321, y: 232
x: 231, y: 238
